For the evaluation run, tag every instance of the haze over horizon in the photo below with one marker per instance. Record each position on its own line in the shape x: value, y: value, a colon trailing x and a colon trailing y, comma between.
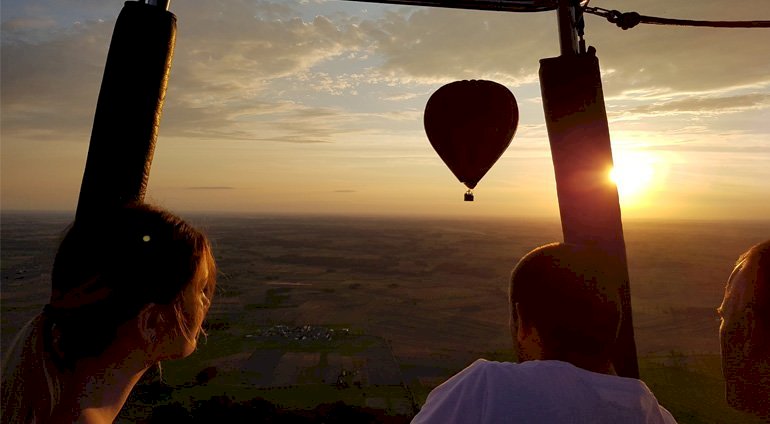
x: 314, y: 106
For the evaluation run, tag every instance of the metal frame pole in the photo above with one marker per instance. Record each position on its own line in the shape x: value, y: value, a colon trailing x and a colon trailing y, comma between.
x: 579, y: 137
x: 567, y: 35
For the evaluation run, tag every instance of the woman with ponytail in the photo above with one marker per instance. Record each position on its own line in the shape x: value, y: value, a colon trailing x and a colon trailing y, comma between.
x: 129, y: 289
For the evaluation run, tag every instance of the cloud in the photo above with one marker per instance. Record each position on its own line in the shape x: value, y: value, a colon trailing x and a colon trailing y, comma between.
x: 249, y: 73
x: 654, y: 58
x: 51, y: 86
x: 433, y: 45
x: 244, y: 43
x: 230, y: 66
x: 262, y: 55
x: 26, y: 24
x: 345, y: 191
x: 211, y: 188
x: 702, y: 106
x: 266, y: 71
x: 243, y: 119
x: 296, y: 139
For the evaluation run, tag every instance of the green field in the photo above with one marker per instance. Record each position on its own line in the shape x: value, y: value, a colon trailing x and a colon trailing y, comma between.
x: 410, y: 303
x: 691, y: 388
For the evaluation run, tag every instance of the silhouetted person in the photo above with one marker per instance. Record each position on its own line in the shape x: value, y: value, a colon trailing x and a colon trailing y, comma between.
x: 744, y: 335
x: 564, y: 322
x: 129, y: 289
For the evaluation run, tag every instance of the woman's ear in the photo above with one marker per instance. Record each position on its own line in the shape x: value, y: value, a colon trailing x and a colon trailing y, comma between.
x: 148, y: 320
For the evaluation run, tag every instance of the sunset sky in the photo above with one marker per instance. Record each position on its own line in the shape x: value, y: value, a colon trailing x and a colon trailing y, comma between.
x: 313, y: 106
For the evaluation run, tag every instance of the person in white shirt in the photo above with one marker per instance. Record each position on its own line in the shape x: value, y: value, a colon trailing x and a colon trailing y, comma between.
x: 565, y: 315
x: 744, y: 334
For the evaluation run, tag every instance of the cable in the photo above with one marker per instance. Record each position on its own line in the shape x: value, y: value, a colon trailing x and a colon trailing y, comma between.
x: 631, y: 19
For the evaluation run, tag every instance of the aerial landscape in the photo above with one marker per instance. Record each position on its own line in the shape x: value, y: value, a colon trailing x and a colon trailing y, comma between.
x: 375, y: 312
x: 353, y: 278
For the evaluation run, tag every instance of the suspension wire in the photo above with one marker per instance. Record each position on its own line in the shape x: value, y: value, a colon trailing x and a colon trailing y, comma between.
x: 580, y: 27
x: 631, y: 19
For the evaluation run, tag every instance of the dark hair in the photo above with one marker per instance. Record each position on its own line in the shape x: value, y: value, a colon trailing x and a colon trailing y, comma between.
x: 108, y: 268
x: 571, y: 295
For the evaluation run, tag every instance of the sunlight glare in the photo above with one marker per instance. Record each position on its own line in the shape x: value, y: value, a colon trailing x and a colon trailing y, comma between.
x: 634, y: 174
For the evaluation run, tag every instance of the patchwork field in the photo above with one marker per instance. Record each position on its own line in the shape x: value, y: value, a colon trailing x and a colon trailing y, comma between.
x: 376, y: 312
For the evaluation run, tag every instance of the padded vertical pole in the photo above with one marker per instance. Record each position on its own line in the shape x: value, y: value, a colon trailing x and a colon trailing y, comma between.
x: 579, y: 136
x: 129, y: 108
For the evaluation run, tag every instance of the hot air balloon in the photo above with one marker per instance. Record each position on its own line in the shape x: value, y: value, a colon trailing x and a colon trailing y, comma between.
x: 470, y: 124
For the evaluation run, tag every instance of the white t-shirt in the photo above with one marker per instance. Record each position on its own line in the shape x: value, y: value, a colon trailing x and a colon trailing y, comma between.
x: 540, y: 392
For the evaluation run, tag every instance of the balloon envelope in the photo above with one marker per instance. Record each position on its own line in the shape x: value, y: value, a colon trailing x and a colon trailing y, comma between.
x: 470, y: 124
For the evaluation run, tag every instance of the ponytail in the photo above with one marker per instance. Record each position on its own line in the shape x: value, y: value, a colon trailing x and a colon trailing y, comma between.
x: 30, y: 381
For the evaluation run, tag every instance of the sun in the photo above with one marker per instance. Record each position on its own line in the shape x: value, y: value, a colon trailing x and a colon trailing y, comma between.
x: 634, y: 174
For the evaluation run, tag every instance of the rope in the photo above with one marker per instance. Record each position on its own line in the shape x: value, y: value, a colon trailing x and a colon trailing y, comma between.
x: 631, y: 19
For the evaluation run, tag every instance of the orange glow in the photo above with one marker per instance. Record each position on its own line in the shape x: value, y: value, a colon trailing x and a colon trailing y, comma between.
x: 635, y: 174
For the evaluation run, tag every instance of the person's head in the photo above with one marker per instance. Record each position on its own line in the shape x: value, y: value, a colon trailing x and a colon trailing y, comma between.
x: 134, y: 263
x: 744, y: 334
x: 135, y: 282
x: 565, y: 305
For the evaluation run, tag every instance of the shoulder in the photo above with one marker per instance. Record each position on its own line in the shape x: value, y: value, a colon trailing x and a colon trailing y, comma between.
x: 483, y: 376
x: 539, y: 391
x: 473, y: 377
x: 655, y: 409
x: 633, y: 401
x: 465, y: 396
x: 483, y: 372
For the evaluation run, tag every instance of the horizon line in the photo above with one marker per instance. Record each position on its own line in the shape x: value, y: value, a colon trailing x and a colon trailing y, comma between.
x: 374, y: 215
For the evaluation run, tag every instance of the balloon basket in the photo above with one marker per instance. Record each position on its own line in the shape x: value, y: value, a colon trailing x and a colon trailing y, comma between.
x: 468, y: 196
